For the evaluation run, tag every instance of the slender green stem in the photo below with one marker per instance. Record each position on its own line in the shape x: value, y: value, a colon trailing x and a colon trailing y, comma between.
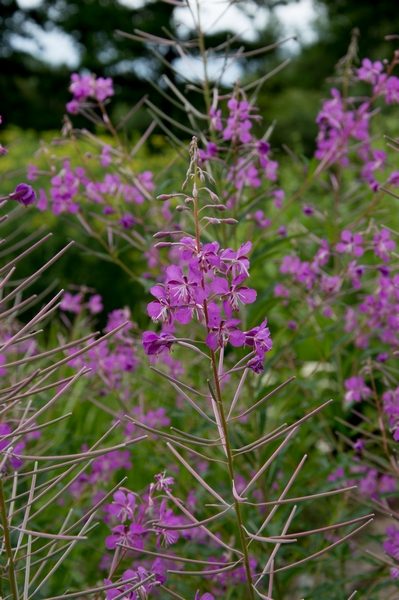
x: 7, y: 544
x: 219, y: 405
x: 230, y: 465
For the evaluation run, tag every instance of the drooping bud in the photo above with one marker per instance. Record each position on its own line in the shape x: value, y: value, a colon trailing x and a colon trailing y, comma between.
x: 24, y: 194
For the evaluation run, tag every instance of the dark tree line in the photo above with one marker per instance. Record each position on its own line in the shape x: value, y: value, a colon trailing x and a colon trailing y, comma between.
x: 34, y: 93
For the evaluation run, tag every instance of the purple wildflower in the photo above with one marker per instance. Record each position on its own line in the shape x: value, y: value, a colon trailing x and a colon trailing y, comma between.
x: 351, y: 243
x: 383, y: 244
x: 356, y: 389
x: 24, y: 194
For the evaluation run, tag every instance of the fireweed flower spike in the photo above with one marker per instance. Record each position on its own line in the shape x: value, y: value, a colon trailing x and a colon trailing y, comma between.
x: 202, y: 308
x: 205, y: 288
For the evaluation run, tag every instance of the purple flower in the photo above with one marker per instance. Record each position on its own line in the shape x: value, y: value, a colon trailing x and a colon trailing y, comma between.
x: 123, y: 506
x: 351, y: 243
x: 5, y: 429
x: 155, y: 344
x: 391, y: 544
x: 216, y: 118
x: 184, y: 289
x: 105, y: 157
x: 134, y: 577
x: 392, y: 90
x: 131, y: 535
x: 368, y: 485
x: 24, y: 194
x: 370, y: 71
x: 278, y: 196
x: 211, y: 150
x: 308, y: 210
x: 32, y: 172
x: 236, y: 262
x: 163, y: 309
x: 117, y: 317
x: 290, y: 264
x: 222, y: 331
x: 127, y: 221
x: 338, y: 126
x: 339, y: 473
x: 359, y: 445
x: 73, y: 107
x: 71, y: 303
x: 330, y: 284
x: 95, y: 304
x: 12, y: 452
x: 387, y: 484
x: 167, y: 517
x: 64, y: 189
x: 281, y: 291
x: 260, y: 340
x: 81, y: 86
x: 261, y: 220
x: 239, y: 121
x: 162, y: 482
x: 42, y: 202
x: 383, y: 244
x: 355, y: 273
x: 233, y: 294
x: 103, y: 88
x: 390, y: 401
x: 356, y: 389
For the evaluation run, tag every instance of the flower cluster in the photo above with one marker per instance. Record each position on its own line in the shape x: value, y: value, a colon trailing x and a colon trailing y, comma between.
x: 71, y: 188
x: 391, y: 544
x: 13, y: 451
x: 390, y: 400
x: 88, y: 87
x: 111, y: 359
x: 344, y: 124
x: 138, y: 522
x: 356, y: 389
x: 207, y: 285
x: 250, y: 165
x: 102, y: 470
x: 326, y: 281
x: 75, y: 303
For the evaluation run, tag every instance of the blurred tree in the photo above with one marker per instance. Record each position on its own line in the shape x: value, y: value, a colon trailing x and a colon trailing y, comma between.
x: 34, y: 93
x: 337, y: 20
x: 312, y: 70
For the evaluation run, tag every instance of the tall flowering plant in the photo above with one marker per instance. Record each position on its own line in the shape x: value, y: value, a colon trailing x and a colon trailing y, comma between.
x: 329, y: 290
x: 205, y: 288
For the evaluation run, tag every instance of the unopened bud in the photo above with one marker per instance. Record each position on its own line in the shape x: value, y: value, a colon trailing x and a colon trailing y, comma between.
x: 214, y: 197
x: 215, y: 221
x: 163, y: 245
